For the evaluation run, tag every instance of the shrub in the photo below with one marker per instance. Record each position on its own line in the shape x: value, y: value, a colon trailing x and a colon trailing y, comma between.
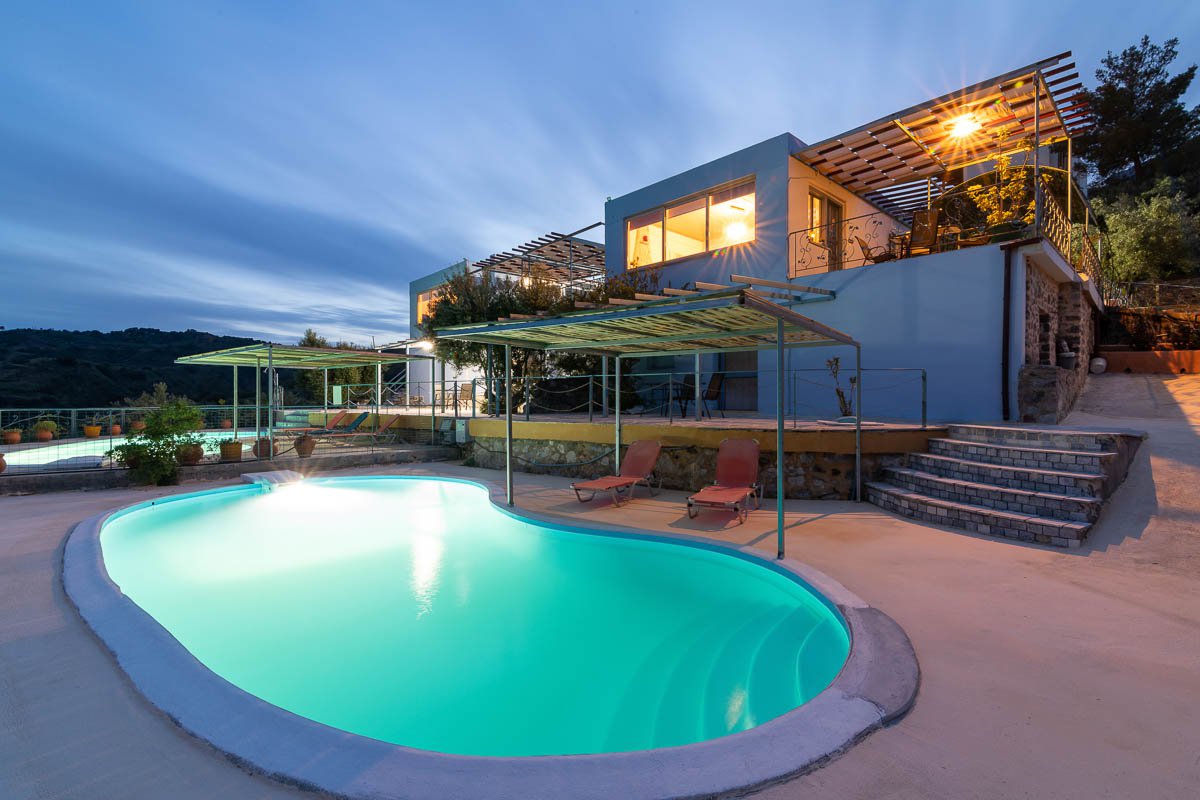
x: 152, y: 453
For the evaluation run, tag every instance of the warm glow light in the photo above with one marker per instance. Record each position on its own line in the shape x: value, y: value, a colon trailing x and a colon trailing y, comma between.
x: 423, y: 344
x: 736, y: 232
x: 963, y: 126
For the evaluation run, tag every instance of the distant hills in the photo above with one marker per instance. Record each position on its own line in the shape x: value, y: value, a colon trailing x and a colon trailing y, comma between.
x: 71, y: 369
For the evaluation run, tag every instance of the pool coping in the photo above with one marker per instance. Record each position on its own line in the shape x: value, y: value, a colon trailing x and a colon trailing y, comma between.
x: 877, y: 685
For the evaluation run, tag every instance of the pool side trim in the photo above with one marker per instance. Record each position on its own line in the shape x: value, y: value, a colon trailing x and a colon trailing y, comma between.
x: 877, y: 685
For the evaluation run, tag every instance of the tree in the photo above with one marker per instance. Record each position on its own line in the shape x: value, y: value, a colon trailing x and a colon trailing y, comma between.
x: 1141, y: 121
x: 311, y: 382
x: 1151, y: 237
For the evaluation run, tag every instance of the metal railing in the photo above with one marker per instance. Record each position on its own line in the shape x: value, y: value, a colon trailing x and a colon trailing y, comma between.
x: 849, y: 243
x: 1150, y: 294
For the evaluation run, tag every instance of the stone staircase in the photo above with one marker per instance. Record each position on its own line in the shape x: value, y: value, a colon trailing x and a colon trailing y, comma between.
x: 1044, y: 485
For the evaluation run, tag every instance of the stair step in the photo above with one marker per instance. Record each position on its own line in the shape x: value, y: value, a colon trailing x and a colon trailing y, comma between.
x: 1000, y: 498
x: 1048, y: 438
x: 990, y: 521
x: 1014, y: 456
x: 1079, y: 484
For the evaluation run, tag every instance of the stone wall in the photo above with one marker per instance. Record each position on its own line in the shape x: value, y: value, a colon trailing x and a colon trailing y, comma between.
x: 1041, y: 316
x: 809, y: 476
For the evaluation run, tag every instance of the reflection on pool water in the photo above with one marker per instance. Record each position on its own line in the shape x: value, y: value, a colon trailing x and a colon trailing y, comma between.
x: 416, y: 612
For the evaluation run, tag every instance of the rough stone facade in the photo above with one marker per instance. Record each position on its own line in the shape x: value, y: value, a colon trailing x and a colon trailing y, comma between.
x: 1053, y: 312
x: 809, y: 476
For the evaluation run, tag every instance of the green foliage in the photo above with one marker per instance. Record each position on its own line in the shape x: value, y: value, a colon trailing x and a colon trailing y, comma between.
x: 1151, y: 237
x: 310, y: 382
x: 1008, y: 197
x: 159, y: 396
x: 1141, y: 121
x: 46, y: 425
x: 151, y: 453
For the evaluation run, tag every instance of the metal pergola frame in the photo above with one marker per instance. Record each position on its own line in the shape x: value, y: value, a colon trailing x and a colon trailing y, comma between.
x: 284, y: 356
x: 714, y: 318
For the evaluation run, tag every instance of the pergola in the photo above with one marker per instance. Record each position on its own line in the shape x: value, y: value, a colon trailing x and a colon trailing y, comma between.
x: 560, y: 257
x: 898, y: 161
x: 282, y: 356
x: 714, y: 318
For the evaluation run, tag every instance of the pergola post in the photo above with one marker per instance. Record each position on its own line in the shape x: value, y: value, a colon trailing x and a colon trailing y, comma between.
x: 604, y: 386
x: 858, y: 422
x: 508, y: 429
x: 325, y: 393
x: 257, y: 400
x: 617, y: 425
x: 696, y: 388
x: 235, y: 401
x: 1037, y: 157
x: 271, y: 403
x: 779, y: 454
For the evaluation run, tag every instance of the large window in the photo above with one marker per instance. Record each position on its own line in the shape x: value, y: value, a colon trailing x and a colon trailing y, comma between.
x: 424, y: 302
x: 721, y: 218
x: 825, y: 217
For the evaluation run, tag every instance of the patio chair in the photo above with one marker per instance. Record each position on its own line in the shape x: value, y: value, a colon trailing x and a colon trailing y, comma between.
x: 329, y: 426
x: 712, y: 393
x: 924, y: 236
x: 875, y: 256
x: 637, y: 467
x: 737, y: 481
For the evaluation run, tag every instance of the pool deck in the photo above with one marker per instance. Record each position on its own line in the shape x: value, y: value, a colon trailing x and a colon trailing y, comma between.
x: 1045, y: 673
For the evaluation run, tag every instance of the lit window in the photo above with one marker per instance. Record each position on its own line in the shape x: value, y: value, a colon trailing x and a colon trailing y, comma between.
x: 424, y: 301
x: 686, y: 228
x: 644, y: 243
x: 714, y: 220
x: 731, y: 216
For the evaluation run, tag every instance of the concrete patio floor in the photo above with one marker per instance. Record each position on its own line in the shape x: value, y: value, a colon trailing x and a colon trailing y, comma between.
x: 1046, y: 673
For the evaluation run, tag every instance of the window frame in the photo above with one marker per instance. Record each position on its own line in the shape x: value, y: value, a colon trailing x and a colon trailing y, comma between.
x: 750, y: 181
x: 826, y: 200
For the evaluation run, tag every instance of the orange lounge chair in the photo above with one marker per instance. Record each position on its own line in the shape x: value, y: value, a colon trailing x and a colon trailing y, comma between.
x: 737, y: 480
x: 326, y: 428
x: 637, y: 467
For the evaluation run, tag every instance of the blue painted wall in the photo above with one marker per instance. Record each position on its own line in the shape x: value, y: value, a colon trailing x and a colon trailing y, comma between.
x: 943, y: 312
x: 766, y: 256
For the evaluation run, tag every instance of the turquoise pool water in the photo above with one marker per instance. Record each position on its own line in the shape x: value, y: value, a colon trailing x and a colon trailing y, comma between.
x: 416, y: 612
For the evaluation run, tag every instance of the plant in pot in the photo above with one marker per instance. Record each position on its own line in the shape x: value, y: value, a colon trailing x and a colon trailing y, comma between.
x: 168, y: 440
x: 305, y: 445
x: 12, y: 435
x: 136, y: 423
x: 263, y: 446
x: 845, y: 401
x: 45, y: 429
x: 231, y: 449
x: 3, y: 463
x: 92, y: 428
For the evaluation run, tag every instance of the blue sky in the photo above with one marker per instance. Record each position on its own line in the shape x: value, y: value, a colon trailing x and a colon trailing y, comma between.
x: 259, y: 167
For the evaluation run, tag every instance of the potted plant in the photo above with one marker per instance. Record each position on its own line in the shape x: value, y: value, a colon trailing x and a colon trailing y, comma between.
x: 263, y: 446
x: 231, y: 449
x: 136, y: 425
x: 3, y: 463
x: 92, y: 428
x: 45, y: 429
x: 189, y: 454
x: 305, y: 445
x: 12, y: 435
x: 114, y: 429
x: 226, y: 423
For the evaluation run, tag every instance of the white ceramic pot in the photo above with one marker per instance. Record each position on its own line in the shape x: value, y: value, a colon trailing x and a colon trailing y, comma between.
x: 1098, y: 365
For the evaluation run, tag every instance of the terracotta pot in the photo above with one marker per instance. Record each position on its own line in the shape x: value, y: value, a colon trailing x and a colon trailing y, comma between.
x: 263, y: 446
x: 131, y: 461
x: 226, y: 424
x: 91, y: 431
x: 43, y: 436
x: 189, y: 455
x: 305, y: 446
x: 114, y: 430
x: 12, y: 437
x: 3, y: 463
x: 137, y: 425
x: 231, y: 451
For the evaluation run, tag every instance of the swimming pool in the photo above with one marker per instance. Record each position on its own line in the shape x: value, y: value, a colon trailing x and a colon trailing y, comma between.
x: 92, y: 453
x: 414, y: 611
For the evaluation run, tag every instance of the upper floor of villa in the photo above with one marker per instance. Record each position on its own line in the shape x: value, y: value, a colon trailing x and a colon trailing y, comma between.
x: 987, y: 164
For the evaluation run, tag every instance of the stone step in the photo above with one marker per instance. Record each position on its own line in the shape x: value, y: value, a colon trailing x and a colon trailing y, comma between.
x: 1079, y: 484
x: 989, y: 521
x: 1047, y: 438
x: 1000, y: 498
x: 1031, y: 457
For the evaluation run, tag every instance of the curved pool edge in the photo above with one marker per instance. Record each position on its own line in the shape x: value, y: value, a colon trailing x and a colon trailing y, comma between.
x: 877, y: 685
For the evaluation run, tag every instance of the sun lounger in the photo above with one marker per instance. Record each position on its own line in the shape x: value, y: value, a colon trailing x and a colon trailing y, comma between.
x: 737, y: 481
x: 637, y: 467
x: 329, y: 426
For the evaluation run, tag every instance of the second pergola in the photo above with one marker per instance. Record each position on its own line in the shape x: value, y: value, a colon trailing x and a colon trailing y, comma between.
x: 752, y: 314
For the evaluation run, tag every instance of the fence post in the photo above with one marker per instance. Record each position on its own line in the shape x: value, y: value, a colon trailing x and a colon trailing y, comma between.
x: 525, y: 381
x: 472, y: 397
x: 591, y: 390
x: 74, y: 420
x: 670, y: 397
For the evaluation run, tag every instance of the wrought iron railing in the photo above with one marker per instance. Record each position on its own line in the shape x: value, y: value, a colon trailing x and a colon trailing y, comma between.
x: 852, y: 242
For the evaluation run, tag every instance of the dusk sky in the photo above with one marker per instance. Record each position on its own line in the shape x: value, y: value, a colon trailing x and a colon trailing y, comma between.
x: 257, y: 168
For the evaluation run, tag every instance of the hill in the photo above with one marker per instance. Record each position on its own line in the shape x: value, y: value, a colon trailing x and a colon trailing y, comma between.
x: 52, y: 368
